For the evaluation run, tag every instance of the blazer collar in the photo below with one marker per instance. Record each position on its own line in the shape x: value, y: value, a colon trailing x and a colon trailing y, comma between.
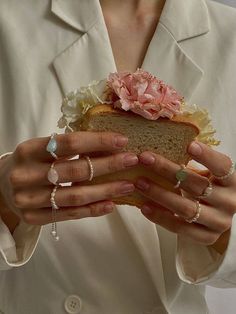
x: 177, y: 16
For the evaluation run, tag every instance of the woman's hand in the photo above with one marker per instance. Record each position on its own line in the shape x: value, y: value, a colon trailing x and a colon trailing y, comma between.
x: 216, y: 210
x: 26, y: 190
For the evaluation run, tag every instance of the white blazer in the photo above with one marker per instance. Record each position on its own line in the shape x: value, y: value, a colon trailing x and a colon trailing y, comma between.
x: 121, y: 263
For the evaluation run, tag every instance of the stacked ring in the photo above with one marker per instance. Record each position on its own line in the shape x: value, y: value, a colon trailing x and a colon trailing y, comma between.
x: 197, y: 215
x: 54, y: 211
x: 230, y: 172
x: 52, y: 146
x: 91, y: 170
x: 207, y: 191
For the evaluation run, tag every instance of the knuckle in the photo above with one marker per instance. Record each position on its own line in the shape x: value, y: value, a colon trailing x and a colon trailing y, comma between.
x: 73, y: 214
x: 15, y: 178
x: 75, y: 199
x: 75, y: 173
x: 104, y: 139
x: 113, y: 164
x: 27, y: 217
x: 18, y: 200
x: 94, y: 210
x: 161, y: 164
x: 71, y: 142
x: 22, y: 150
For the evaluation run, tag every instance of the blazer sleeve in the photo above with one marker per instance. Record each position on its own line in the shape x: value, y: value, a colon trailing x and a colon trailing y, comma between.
x: 16, y: 249
x: 200, y: 265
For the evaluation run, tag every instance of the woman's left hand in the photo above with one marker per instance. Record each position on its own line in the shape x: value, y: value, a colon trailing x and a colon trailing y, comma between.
x: 217, y: 209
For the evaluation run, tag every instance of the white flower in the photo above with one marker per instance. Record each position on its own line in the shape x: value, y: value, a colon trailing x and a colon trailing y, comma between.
x: 78, y: 102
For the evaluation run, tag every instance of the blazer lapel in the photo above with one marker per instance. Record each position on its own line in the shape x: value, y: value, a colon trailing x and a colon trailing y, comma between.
x: 90, y: 58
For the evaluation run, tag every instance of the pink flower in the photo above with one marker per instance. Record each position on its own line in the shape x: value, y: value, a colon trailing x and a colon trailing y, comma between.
x: 144, y: 94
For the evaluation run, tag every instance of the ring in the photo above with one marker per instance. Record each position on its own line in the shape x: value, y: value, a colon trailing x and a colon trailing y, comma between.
x: 91, y: 171
x: 54, y: 211
x: 197, y: 215
x: 207, y: 191
x: 180, y: 175
x: 230, y: 172
x: 52, y: 145
x: 53, y: 174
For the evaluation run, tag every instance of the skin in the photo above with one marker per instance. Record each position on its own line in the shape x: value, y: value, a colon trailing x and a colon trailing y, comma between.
x: 25, y: 191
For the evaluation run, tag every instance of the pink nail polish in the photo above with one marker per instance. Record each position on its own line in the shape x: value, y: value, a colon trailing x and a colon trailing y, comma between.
x: 142, y: 185
x: 195, y: 149
x: 147, y: 158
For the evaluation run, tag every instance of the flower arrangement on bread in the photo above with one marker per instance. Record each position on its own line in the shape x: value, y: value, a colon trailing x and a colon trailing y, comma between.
x: 151, y: 113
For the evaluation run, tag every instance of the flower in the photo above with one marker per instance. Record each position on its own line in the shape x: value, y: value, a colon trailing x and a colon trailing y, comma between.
x: 144, y: 94
x: 77, y: 103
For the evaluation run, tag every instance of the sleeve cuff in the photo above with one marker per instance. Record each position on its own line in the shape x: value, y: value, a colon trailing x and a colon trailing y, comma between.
x: 198, y: 264
x: 17, y: 249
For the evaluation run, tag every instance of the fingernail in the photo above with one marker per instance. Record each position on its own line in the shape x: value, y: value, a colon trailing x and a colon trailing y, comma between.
x: 130, y: 160
x: 195, y: 149
x: 147, y: 158
x: 108, y: 208
x: 142, y: 185
x: 120, y: 141
x: 146, y: 210
x: 126, y: 188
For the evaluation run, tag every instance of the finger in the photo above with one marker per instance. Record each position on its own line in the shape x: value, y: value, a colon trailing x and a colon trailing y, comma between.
x: 186, y: 208
x: 219, y: 164
x: 72, y: 170
x: 71, y: 144
x: 194, y: 183
x: 163, y: 217
x: 43, y: 216
x: 71, y: 196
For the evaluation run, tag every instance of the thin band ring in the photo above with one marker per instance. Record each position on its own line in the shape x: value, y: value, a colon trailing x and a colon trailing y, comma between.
x: 54, y: 212
x: 52, y: 146
x: 197, y: 215
x: 230, y: 172
x: 207, y: 191
x: 91, y: 170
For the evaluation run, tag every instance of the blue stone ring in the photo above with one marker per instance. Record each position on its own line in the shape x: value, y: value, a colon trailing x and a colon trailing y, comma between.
x: 52, y: 146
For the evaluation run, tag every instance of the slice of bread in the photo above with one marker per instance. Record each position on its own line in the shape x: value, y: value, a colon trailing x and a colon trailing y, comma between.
x: 166, y: 137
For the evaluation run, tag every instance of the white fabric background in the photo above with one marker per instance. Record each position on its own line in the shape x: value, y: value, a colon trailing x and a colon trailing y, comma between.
x: 222, y: 300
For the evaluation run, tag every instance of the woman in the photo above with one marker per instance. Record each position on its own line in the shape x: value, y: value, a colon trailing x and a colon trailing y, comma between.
x: 121, y: 262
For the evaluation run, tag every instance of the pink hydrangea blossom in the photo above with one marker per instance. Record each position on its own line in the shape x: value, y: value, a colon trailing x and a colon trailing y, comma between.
x: 144, y: 94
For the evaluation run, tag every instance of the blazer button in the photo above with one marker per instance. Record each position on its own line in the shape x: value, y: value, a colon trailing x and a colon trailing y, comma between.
x: 73, y: 304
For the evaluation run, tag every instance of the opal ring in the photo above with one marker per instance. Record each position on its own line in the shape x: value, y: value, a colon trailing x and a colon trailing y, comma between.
x: 53, y: 174
x: 52, y: 146
x: 180, y: 175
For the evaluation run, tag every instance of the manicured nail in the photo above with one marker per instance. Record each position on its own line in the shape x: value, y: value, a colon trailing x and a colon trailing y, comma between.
x: 147, y: 158
x: 195, y: 149
x: 130, y: 160
x: 108, y: 208
x: 120, y: 141
x: 126, y: 188
x: 146, y: 210
x: 142, y: 185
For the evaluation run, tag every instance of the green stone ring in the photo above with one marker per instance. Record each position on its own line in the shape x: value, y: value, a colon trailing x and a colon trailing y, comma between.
x: 180, y: 175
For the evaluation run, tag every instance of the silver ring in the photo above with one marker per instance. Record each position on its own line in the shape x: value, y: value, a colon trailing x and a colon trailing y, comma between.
x: 52, y: 146
x: 53, y: 174
x: 207, y: 191
x: 197, y: 215
x: 180, y: 175
x: 54, y: 211
x: 91, y: 171
x: 230, y: 172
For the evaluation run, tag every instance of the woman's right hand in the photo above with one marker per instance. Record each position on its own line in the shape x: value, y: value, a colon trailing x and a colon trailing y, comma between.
x: 25, y: 188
